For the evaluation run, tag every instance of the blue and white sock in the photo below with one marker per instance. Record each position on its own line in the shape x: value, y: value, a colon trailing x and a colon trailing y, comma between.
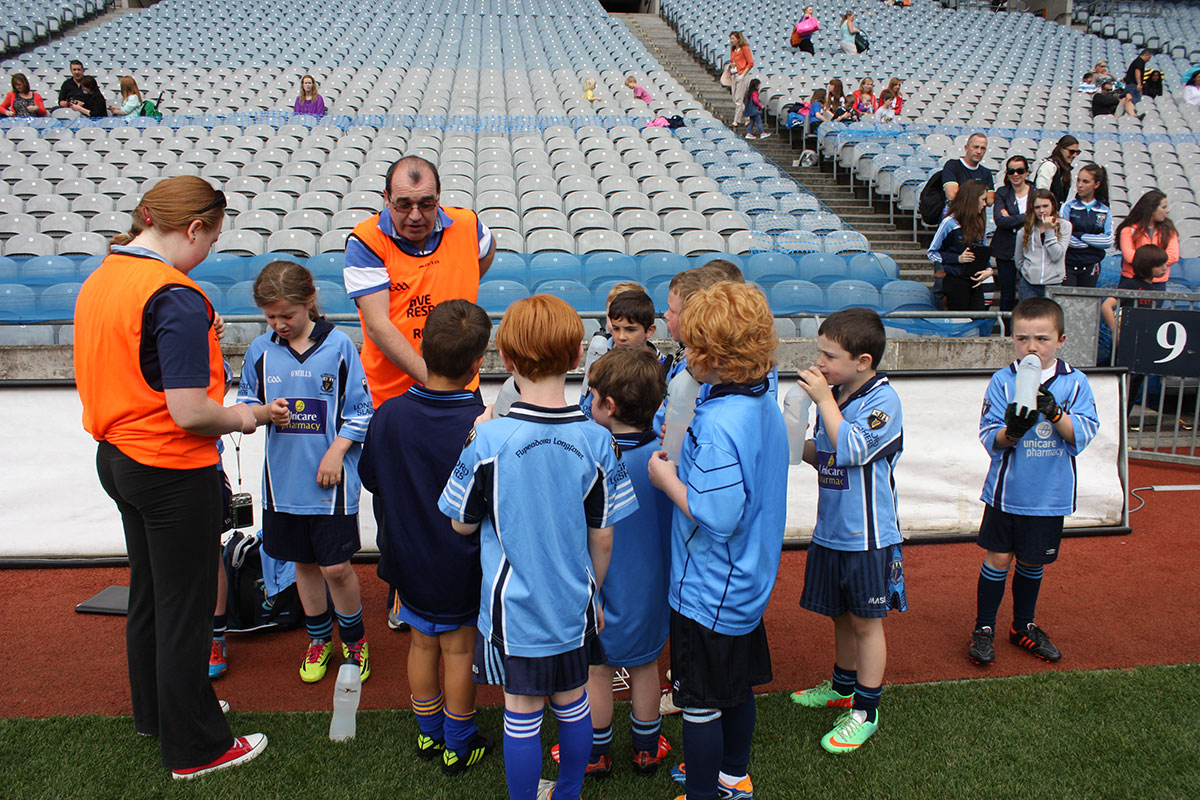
x: 522, y: 752
x: 350, y: 626
x: 645, y: 734
x: 703, y: 746
x: 574, y: 746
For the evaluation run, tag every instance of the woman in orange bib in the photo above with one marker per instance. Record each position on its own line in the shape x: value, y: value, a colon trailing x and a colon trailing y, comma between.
x: 151, y: 378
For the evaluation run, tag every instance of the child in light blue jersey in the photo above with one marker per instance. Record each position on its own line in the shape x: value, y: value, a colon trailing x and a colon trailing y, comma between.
x: 310, y: 474
x: 730, y: 497
x: 543, y: 485
x: 1031, y: 481
x: 626, y: 387
x: 630, y: 324
x: 854, y: 569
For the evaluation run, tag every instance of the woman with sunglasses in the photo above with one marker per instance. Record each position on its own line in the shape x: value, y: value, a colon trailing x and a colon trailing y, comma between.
x: 1055, y: 172
x: 1009, y: 214
x: 151, y: 378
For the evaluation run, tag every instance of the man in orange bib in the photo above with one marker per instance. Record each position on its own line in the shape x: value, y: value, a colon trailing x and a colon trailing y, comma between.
x: 402, y: 262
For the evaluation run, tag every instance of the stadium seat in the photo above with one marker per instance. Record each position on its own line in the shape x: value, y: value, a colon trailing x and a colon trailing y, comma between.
x: 796, y: 296
x: 495, y: 296
x: 851, y: 294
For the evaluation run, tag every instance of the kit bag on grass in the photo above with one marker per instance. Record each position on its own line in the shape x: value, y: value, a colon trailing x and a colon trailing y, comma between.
x: 932, y: 202
x: 262, y: 590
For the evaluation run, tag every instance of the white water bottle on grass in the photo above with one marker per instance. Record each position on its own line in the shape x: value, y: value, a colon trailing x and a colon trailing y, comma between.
x: 795, y: 416
x: 346, y: 694
x: 1029, y: 380
x: 681, y: 407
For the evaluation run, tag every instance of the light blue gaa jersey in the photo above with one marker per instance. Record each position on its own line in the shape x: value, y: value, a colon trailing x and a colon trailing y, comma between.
x: 634, y: 595
x: 1036, y: 476
x: 856, y: 490
x: 734, y: 464
x: 536, y: 480
x: 328, y: 397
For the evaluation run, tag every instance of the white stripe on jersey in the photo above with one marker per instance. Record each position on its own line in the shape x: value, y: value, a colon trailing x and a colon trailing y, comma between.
x: 363, y: 280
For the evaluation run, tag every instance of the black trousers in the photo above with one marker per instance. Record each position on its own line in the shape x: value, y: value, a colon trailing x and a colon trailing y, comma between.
x: 1006, y: 282
x: 171, y: 519
x: 961, y: 295
x: 806, y: 46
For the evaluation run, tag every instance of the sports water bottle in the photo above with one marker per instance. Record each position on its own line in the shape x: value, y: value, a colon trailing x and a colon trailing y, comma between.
x: 681, y: 407
x: 795, y: 416
x: 508, y: 395
x: 1029, y: 379
x: 598, y: 346
x: 346, y: 693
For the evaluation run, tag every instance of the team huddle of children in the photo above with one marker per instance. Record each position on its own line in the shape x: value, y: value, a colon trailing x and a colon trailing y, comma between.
x: 552, y: 549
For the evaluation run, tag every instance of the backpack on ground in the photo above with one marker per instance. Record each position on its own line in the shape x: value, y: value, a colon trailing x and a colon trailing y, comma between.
x: 933, y: 200
x: 258, y: 601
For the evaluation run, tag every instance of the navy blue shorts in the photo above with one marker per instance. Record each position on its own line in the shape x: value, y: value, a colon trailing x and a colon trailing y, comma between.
x: 714, y: 670
x: 1034, y: 540
x: 324, y: 539
x: 865, y: 583
x: 536, y: 677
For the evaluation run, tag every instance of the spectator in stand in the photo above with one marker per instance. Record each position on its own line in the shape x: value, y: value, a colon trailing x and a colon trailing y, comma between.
x: 741, y: 61
x: 847, y: 31
x: 91, y: 102
x: 72, y: 87
x: 1009, y: 214
x: 1100, y: 72
x: 968, y: 168
x: 1148, y: 223
x: 818, y: 111
x: 835, y: 108
x: 865, y: 101
x: 806, y: 27
x: 309, y: 102
x: 22, y: 101
x: 960, y: 248
x: 1054, y: 174
x: 1135, y: 74
x: 1088, y: 84
x: 1191, y: 92
x: 638, y: 90
x: 1091, y: 226
x: 754, y: 111
x: 1106, y: 101
x: 898, y: 98
x: 1042, y: 246
x: 886, y: 111
x: 131, y: 99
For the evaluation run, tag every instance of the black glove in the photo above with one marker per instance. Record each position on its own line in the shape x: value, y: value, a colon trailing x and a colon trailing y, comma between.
x: 1047, y: 406
x: 1017, y: 424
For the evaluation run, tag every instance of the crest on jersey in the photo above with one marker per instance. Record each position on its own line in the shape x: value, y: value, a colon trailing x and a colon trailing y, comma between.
x: 299, y: 405
x: 326, y: 382
x: 987, y: 405
x: 470, y: 437
x: 877, y: 419
x: 616, y: 448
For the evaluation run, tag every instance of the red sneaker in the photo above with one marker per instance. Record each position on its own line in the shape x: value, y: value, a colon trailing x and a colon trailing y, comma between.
x: 595, y: 769
x: 645, y: 762
x: 244, y: 748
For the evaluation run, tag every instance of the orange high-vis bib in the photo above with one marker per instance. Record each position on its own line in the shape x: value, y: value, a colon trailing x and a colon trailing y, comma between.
x: 119, y: 406
x: 418, y: 283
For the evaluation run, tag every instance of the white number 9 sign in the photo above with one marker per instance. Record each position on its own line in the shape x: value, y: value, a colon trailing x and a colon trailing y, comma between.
x: 1172, y: 337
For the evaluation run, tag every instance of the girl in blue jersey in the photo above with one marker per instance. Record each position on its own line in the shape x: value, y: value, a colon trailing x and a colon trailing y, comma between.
x: 310, y: 474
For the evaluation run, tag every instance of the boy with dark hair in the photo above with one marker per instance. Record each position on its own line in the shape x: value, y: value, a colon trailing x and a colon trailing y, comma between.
x: 411, y: 447
x: 854, y: 570
x: 1030, y: 485
x: 729, y: 270
x: 546, y: 484
x: 630, y: 323
x: 627, y: 387
x: 730, y: 497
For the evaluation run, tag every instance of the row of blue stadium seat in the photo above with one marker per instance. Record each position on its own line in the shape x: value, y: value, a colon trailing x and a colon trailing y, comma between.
x: 651, y: 269
x: 21, y: 303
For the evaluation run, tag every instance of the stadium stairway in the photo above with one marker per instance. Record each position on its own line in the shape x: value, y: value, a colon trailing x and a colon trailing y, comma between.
x: 661, y: 40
